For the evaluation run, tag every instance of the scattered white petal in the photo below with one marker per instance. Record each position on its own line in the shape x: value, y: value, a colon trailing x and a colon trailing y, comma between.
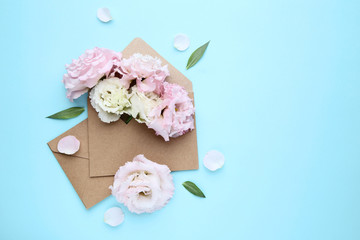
x: 181, y: 42
x: 68, y: 145
x: 114, y: 216
x: 214, y: 160
x: 104, y: 15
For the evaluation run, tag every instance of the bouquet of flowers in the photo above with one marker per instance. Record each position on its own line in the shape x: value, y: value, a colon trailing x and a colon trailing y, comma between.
x: 135, y: 86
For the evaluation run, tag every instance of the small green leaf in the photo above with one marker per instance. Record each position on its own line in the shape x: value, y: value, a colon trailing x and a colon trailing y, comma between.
x: 126, y: 118
x: 197, y: 55
x: 191, y: 187
x: 68, y: 113
x: 129, y: 119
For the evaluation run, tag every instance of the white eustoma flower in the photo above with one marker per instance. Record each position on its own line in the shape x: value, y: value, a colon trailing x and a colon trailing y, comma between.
x: 110, y: 99
x: 142, y: 104
x: 143, y: 185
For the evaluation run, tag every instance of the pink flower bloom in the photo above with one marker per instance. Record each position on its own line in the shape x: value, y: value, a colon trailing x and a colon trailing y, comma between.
x: 145, y: 69
x: 175, y: 115
x: 83, y: 73
x: 143, y: 185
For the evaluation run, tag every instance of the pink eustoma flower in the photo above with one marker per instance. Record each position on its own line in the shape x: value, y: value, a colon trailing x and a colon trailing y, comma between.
x: 175, y: 115
x: 83, y: 73
x: 146, y: 70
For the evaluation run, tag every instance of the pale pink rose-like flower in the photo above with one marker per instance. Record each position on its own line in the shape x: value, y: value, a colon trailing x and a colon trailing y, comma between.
x: 142, y: 185
x: 175, y: 115
x: 83, y: 73
x: 145, y: 69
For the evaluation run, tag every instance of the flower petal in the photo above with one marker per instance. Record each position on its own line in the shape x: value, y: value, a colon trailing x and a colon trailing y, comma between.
x: 104, y: 15
x: 114, y: 216
x: 181, y: 42
x: 68, y: 145
x: 214, y: 160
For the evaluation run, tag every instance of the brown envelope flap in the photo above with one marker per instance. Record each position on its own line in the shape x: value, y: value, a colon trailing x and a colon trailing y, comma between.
x: 175, y: 75
x: 90, y: 190
x: 76, y: 168
x: 81, y: 133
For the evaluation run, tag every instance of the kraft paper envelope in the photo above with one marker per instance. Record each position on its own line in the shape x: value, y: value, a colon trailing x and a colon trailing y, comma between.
x: 111, y: 145
x: 76, y: 168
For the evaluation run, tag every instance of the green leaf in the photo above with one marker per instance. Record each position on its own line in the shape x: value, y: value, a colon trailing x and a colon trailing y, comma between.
x: 126, y: 118
x: 197, y: 55
x: 68, y: 113
x: 191, y: 187
x: 129, y: 119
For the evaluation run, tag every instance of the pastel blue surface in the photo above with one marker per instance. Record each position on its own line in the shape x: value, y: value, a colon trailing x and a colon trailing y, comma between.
x: 277, y: 92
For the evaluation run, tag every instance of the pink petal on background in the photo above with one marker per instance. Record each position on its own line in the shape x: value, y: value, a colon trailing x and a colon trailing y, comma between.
x: 104, y: 15
x: 214, y: 160
x: 68, y: 145
x: 114, y: 216
x: 181, y: 42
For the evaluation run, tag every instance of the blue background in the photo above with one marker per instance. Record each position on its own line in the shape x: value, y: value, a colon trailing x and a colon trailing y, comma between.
x: 277, y: 92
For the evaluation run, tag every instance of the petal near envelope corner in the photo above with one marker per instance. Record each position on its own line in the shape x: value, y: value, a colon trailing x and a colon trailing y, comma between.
x: 68, y: 145
x: 80, y: 131
x: 76, y: 167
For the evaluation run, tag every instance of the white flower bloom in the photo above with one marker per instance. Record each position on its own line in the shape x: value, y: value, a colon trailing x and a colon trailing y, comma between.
x: 105, y: 116
x: 110, y: 99
x: 143, y: 185
x: 142, y: 104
